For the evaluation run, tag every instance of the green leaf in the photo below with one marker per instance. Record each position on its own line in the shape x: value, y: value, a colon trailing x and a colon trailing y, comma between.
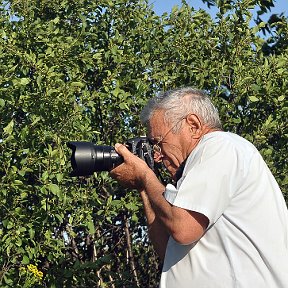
x: 255, y: 87
x: 18, y: 242
x: 2, y: 102
x: 54, y: 189
x: 9, y: 128
x: 77, y: 84
x: 59, y: 177
x: 24, y: 81
x: 253, y: 99
x: 31, y: 233
x: 45, y: 176
x: 281, y: 98
x: 91, y: 227
x: 25, y: 260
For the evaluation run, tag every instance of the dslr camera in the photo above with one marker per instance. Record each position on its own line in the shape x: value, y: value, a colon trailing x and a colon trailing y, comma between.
x: 88, y: 158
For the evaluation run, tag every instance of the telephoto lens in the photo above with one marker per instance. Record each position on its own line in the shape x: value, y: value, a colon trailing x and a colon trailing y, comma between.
x: 88, y: 158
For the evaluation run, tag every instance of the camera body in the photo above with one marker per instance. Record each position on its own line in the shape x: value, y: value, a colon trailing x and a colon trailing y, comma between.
x: 88, y: 158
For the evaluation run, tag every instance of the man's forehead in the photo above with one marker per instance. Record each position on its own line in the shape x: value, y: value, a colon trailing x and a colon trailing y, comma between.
x: 156, y: 123
x: 157, y: 117
x: 149, y: 131
x: 151, y: 128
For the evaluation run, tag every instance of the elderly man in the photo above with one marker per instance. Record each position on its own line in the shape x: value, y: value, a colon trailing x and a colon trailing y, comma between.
x: 225, y: 222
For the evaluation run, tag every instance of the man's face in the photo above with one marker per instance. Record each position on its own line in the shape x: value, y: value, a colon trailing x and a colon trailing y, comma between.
x: 173, y: 147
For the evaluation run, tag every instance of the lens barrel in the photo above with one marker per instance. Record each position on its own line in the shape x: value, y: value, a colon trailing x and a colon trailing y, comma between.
x: 88, y: 158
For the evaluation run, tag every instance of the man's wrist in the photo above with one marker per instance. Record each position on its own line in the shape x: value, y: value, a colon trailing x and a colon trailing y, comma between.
x: 148, y: 179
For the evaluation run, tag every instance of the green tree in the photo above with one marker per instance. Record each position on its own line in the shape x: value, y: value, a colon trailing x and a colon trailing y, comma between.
x: 69, y: 70
x: 244, y: 71
x: 82, y: 70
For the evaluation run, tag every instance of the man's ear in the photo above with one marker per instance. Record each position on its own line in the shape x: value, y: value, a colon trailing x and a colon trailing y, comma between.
x: 195, y: 125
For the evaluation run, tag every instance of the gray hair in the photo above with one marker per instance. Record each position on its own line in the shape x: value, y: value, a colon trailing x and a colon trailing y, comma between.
x: 178, y: 103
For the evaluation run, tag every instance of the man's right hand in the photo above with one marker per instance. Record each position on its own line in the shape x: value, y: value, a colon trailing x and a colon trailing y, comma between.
x: 133, y: 172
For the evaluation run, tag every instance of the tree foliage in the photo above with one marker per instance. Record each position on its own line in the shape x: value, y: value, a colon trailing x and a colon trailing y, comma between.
x: 82, y: 70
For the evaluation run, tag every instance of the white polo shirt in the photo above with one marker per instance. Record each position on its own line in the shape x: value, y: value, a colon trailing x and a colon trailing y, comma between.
x: 246, y: 242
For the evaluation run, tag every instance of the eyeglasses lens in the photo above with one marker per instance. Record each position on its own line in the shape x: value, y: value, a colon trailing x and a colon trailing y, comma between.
x: 157, y: 148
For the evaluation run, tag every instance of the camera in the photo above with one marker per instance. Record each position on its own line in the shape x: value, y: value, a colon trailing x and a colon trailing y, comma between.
x: 88, y: 158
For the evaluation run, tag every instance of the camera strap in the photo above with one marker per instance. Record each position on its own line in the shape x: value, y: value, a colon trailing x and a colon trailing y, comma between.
x: 180, y: 170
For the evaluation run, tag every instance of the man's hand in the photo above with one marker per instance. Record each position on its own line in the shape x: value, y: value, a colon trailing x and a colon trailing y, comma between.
x: 133, y: 172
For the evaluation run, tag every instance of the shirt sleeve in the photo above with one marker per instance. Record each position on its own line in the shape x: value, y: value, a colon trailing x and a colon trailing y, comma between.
x: 211, y: 179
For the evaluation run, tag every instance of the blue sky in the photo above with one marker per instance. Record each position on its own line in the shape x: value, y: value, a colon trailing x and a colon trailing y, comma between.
x: 161, y: 6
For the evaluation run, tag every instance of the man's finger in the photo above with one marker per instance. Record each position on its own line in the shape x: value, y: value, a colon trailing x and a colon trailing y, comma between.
x: 121, y: 149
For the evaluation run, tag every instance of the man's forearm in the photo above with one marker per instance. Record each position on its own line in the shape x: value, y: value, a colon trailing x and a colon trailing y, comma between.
x: 157, y: 232
x: 183, y: 225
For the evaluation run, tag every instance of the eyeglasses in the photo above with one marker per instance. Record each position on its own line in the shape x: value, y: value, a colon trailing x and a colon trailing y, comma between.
x: 156, y: 147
